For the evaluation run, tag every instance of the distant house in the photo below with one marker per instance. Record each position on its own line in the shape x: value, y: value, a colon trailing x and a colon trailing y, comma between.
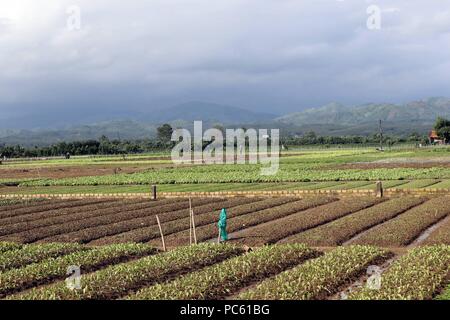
x: 434, y: 138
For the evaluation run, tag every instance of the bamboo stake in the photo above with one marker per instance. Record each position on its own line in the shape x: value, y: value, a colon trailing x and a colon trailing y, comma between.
x: 190, y: 221
x: 193, y: 227
x: 162, y: 235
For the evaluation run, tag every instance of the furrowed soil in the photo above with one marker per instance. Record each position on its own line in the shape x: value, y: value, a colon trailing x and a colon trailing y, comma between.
x: 35, y: 234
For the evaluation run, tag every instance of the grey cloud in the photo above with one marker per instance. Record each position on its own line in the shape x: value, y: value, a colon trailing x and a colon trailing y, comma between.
x: 281, y: 55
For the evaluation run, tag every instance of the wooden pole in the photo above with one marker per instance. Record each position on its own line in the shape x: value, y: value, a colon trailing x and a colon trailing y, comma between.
x: 218, y: 238
x: 380, y: 191
x: 161, y: 232
x: 193, y: 227
x: 190, y: 221
x: 154, y: 194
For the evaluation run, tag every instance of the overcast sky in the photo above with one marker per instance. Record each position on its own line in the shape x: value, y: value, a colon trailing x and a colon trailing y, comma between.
x: 270, y: 55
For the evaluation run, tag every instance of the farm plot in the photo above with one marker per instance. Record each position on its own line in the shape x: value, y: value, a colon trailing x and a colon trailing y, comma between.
x: 201, y: 219
x: 31, y: 234
x: 145, y: 228
x: 416, y: 276
x: 51, y: 217
x: 208, y: 232
x: 405, y: 228
x: 46, y: 206
x: 213, y: 271
x: 283, y: 227
x: 117, y: 280
x: 317, y: 278
x: 52, y: 269
x: 343, y: 229
x: 223, y: 279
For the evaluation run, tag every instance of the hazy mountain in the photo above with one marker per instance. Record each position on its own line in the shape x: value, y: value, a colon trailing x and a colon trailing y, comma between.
x: 331, y: 119
x: 334, y: 113
x: 126, y: 129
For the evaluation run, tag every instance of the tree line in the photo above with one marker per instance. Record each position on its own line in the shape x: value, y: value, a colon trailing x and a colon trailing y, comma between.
x: 105, y: 146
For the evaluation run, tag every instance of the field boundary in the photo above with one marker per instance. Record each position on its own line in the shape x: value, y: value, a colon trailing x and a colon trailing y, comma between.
x: 230, y: 194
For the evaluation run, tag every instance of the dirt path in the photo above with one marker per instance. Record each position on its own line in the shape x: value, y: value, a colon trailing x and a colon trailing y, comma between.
x: 344, y: 292
x: 424, y: 236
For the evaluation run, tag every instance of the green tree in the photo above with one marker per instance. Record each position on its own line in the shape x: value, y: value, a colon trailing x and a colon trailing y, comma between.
x: 442, y: 127
x: 165, y: 133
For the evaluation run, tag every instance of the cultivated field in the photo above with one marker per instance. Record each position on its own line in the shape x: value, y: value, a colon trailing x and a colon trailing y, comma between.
x: 347, y: 169
x: 315, y: 245
x: 211, y: 271
x: 319, y: 221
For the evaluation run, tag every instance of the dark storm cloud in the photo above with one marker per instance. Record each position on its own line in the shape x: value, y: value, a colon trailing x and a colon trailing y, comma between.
x: 271, y: 55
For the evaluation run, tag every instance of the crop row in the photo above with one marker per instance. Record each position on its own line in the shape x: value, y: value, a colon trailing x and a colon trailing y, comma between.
x: 52, y: 269
x: 247, y: 173
x: 445, y: 295
x: 148, y: 233
x: 114, y: 228
x: 43, y: 207
x: 35, y: 234
x: 234, y: 224
x: 52, y: 216
x: 284, y: 227
x: 416, y: 276
x: 14, y: 204
x: 343, y: 229
x: 318, y: 278
x: 118, y: 280
x: 31, y: 254
x: 406, y: 227
x: 48, y: 218
x: 441, y: 235
x: 418, y: 184
x: 7, y: 246
x: 223, y: 279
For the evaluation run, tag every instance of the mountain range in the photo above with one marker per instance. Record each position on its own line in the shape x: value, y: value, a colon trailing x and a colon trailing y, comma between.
x: 331, y: 119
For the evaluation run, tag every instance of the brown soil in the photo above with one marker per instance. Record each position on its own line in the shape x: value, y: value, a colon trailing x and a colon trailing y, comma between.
x: 68, y: 171
x: 92, y: 220
x: 252, y: 221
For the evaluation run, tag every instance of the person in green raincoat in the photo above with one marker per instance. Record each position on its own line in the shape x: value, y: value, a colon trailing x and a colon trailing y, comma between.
x: 223, y: 235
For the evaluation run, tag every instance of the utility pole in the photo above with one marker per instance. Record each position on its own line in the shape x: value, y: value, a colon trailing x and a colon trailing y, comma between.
x: 381, y: 136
